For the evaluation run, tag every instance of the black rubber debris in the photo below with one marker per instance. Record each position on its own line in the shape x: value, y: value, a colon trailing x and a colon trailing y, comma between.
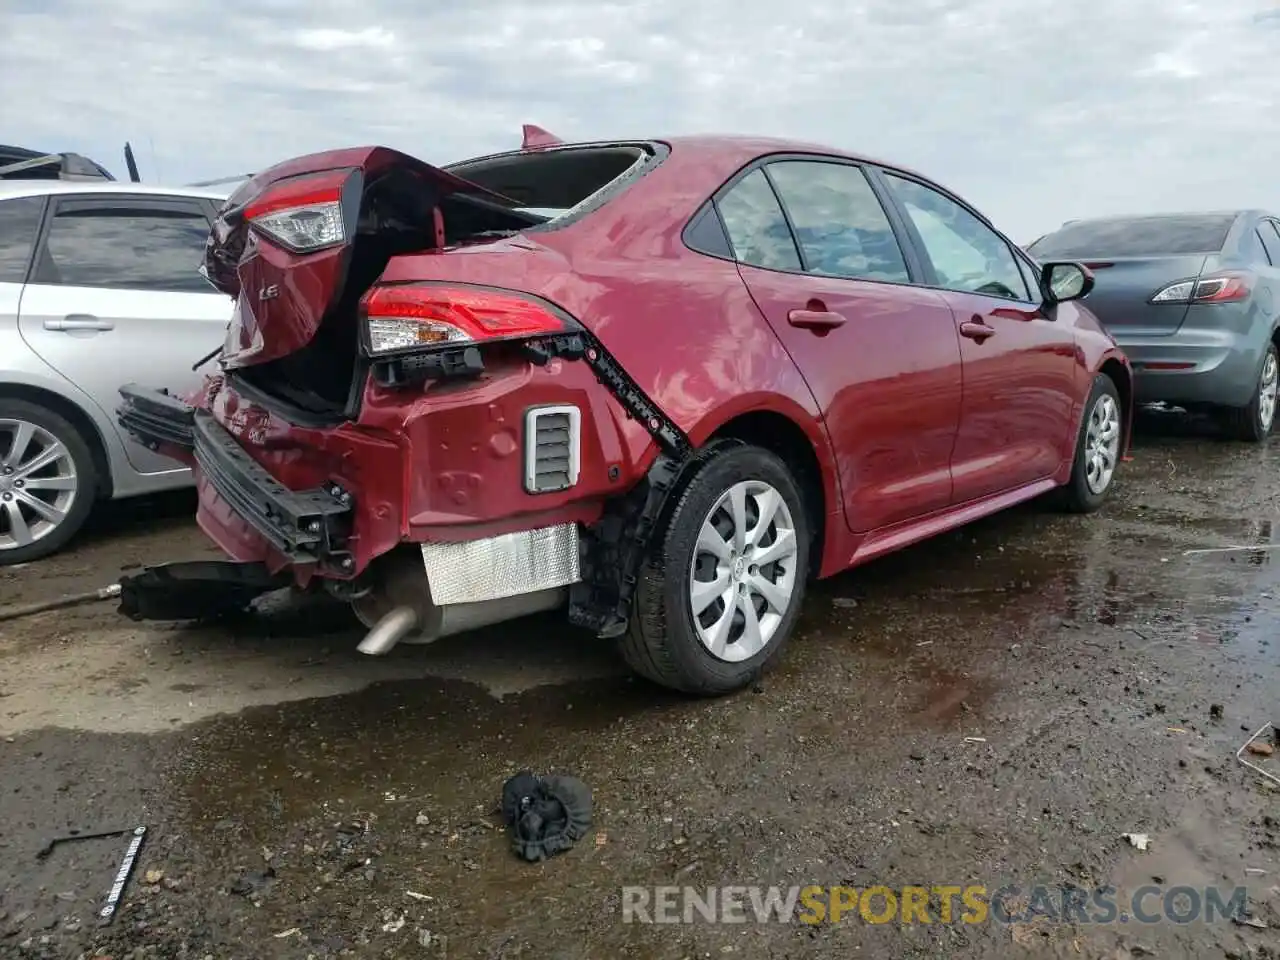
x: 546, y: 815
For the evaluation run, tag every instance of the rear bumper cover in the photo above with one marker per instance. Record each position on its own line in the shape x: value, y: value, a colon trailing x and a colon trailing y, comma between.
x: 1222, y: 367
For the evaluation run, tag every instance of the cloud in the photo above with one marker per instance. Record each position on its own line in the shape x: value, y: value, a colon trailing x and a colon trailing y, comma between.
x: 1035, y: 110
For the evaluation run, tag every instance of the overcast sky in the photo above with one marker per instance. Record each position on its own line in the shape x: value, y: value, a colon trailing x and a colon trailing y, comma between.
x: 1035, y: 110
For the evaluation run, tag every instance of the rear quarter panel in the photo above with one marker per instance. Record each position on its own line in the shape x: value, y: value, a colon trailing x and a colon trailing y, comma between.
x: 682, y: 324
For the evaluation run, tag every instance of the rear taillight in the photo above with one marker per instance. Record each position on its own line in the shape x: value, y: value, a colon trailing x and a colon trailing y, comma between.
x: 1221, y: 288
x: 303, y: 214
x: 412, y: 317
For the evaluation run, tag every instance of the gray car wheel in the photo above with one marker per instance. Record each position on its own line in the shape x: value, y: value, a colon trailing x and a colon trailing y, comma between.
x: 1253, y: 423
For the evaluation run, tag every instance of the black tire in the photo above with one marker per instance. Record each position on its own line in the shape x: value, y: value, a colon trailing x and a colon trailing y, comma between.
x: 1246, y: 423
x: 86, y: 481
x: 1077, y: 496
x: 662, y: 642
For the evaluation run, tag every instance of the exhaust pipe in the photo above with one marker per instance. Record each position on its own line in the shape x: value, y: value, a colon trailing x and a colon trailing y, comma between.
x: 390, y: 630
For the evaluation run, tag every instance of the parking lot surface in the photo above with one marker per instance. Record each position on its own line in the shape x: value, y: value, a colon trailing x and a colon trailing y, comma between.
x: 997, y: 707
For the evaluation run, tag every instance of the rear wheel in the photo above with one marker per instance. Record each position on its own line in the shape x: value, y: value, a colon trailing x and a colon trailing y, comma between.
x: 719, y: 595
x: 1097, y: 449
x: 1253, y: 423
x: 47, y: 481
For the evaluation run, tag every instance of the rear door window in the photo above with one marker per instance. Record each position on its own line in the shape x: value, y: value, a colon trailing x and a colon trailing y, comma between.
x: 839, y: 223
x: 125, y: 245
x: 1270, y: 235
x: 757, y: 228
x: 967, y: 255
x: 1156, y: 236
x: 19, y: 224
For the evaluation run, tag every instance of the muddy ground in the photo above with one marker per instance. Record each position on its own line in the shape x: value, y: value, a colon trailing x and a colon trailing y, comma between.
x: 303, y: 801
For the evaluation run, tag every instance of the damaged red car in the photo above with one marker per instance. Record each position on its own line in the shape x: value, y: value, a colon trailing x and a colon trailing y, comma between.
x: 660, y: 384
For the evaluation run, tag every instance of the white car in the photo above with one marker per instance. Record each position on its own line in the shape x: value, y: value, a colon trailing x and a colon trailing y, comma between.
x: 99, y: 286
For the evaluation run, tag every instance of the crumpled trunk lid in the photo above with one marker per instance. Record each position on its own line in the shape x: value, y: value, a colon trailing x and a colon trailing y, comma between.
x: 389, y: 204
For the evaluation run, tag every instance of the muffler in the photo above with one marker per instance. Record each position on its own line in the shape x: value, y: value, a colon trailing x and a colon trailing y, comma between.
x: 398, y: 607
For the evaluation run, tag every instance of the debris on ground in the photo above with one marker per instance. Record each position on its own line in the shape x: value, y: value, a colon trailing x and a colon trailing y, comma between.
x: 1215, y: 711
x: 547, y: 815
x: 1259, y: 747
x: 1139, y: 841
x: 253, y: 881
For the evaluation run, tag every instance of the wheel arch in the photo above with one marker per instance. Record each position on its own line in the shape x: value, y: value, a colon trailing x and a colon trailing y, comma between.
x: 804, y: 451
x: 74, y: 414
x: 1122, y: 376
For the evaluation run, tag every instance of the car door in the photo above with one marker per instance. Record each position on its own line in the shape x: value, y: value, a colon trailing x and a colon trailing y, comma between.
x: 881, y: 356
x: 115, y: 296
x: 1020, y: 370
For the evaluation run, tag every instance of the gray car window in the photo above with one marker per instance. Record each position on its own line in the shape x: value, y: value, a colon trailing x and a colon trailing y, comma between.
x: 1271, y: 240
x: 1152, y: 236
x: 967, y: 255
x: 19, y: 223
x: 839, y: 222
x: 756, y: 225
x: 126, y: 248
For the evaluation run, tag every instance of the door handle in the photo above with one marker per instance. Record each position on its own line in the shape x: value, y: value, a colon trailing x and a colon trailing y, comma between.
x: 819, y: 321
x: 976, y: 330
x: 78, y: 321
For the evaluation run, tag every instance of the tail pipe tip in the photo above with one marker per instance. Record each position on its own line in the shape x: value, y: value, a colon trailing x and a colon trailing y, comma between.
x: 390, y: 630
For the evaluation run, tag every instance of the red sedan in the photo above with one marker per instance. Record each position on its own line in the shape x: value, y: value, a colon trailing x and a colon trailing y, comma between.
x: 658, y: 383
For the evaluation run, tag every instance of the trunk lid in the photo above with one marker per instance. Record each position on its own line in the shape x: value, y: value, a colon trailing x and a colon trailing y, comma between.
x: 300, y: 241
x: 1124, y: 286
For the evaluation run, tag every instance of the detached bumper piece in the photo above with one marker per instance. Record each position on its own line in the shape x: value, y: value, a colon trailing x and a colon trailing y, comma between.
x: 198, y: 590
x: 307, y: 526
x: 155, y: 417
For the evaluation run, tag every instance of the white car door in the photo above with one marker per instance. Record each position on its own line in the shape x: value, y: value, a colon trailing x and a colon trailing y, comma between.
x: 115, y: 297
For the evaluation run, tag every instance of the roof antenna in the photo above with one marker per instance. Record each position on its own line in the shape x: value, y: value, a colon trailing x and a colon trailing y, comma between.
x: 131, y: 163
x: 535, y: 138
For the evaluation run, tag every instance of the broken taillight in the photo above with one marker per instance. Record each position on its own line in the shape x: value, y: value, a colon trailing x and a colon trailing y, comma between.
x: 303, y: 214
x: 420, y: 316
x: 1221, y: 288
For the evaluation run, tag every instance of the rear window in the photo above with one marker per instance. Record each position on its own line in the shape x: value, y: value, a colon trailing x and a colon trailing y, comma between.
x: 550, y: 184
x: 1137, y: 237
x: 19, y: 221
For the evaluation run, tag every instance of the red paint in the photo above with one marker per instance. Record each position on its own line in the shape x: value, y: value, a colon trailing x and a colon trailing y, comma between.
x: 535, y: 137
x: 924, y: 408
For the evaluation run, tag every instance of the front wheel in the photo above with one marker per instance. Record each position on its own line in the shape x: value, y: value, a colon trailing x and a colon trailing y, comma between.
x: 1253, y: 423
x: 1098, y: 448
x: 722, y: 587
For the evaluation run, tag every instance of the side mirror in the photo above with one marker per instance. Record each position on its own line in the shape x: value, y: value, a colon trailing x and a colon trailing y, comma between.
x: 1066, y: 281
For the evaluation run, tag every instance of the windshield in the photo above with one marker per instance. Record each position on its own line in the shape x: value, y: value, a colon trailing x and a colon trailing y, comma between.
x: 1137, y: 237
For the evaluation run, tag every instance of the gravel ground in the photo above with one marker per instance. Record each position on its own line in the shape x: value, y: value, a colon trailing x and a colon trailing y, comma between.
x: 302, y: 801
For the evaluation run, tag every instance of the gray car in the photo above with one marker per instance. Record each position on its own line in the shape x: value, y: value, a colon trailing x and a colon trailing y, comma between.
x: 98, y: 287
x: 1192, y: 299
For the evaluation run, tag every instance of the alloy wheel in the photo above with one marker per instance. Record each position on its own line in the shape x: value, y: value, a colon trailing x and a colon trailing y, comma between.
x: 742, y: 577
x: 38, y: 483
x: 1267, y: 389
x: 1102, y: 443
